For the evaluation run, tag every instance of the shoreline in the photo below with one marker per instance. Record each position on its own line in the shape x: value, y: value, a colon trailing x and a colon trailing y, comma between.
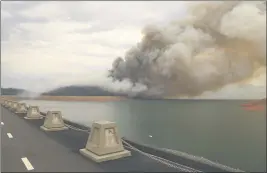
x: 66, y: 98
x: 250, y: 102
x: 80, y: 98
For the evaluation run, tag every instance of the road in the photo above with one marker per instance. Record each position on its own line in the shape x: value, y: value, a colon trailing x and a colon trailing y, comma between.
x: 25, y: 147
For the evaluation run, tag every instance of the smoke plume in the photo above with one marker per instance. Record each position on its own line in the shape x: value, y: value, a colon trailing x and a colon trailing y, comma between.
x: 28, y: 95
x: 217, y: 44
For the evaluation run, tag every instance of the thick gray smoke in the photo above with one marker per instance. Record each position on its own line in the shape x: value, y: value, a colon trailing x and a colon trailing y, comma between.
x: 218, y: 43
x: 29, y: 95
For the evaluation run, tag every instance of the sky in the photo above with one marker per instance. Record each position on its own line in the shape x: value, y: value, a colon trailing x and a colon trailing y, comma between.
x: 49, y: 44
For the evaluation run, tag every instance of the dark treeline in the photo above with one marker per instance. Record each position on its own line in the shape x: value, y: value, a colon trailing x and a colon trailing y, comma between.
x: 11, y: 91
x: 80, y: 91
x: 67, y: 91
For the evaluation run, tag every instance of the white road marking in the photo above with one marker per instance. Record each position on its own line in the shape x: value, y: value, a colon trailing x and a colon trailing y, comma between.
x: 9, y: 135
x: 2, y: 123
x: 150, y: 136
x: 27, y: 163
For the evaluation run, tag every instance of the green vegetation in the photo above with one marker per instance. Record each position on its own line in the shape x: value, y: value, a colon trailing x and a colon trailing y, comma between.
x: 11, y: 91
x: 79, y: 91
x: 72, y: 90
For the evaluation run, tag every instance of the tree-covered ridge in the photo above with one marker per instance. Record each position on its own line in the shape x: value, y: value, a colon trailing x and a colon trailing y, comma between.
x: 11, y: 91
x: 79, y: 91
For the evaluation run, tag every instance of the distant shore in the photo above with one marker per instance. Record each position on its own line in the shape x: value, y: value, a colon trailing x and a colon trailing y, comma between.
x: 257, y: 102
x: 107, y: 98
x: 66, y: 98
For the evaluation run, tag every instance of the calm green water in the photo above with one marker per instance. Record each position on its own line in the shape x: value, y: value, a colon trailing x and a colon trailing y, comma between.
x: 217, y: 130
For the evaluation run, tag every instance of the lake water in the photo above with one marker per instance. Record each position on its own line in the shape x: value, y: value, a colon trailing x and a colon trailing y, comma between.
x: 221, y: 131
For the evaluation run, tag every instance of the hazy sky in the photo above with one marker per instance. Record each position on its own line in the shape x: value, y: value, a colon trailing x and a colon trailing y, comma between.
x: 48, y: 44
x: 45, y: 44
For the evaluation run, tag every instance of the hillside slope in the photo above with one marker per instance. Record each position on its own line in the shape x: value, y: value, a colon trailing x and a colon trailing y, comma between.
x: 79, y: 91
x: 12, y: 91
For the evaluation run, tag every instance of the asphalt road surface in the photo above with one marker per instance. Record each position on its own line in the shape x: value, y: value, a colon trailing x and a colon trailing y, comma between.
x: 25, y: 147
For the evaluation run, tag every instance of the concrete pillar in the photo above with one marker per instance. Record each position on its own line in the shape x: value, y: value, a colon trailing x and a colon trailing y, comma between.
x: 14, y: 106
x: 104, y: 143
x: 21, y: 109
x: 9, y: 104
x: 53, y: 122
x: 33, y: 113
x: 5, y: 103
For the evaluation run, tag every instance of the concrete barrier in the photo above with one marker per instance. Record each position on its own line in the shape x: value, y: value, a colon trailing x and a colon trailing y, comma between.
x: 33, y: 113
x: 53, y: 122
x: 104, y: 143
x: 5, y: 103
x: 14, y: 106
x: 21, y: 109
x: 9, y: 104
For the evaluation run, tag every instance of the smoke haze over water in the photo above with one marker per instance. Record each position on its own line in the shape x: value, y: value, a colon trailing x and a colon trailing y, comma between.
x: 217, y: 44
